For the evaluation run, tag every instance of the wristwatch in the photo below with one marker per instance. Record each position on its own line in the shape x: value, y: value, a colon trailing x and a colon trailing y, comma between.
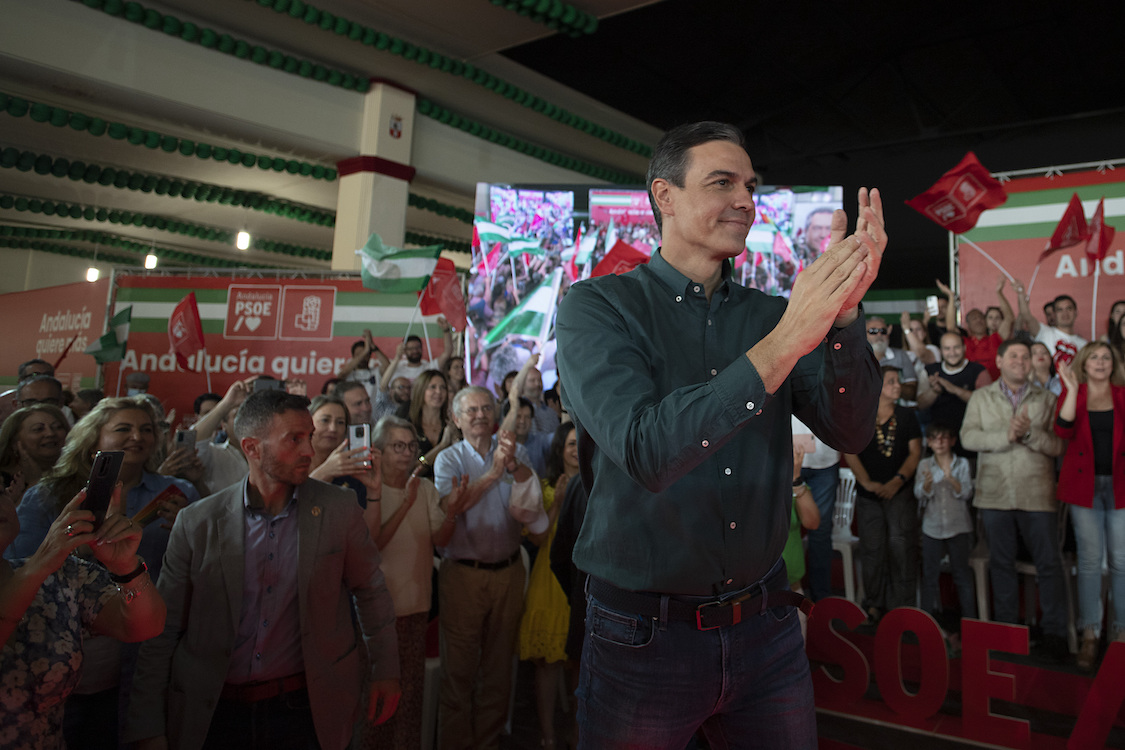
x: 136, y: 573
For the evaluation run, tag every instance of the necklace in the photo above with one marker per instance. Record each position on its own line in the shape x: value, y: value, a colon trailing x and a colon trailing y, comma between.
x: 886, y: 440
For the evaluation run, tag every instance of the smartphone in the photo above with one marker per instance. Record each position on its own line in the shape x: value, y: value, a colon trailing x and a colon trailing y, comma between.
x: 185, y: 439
x: 99, y: 487
x: 359, y: 436
x: 268, y: 384
x: 931, y: 305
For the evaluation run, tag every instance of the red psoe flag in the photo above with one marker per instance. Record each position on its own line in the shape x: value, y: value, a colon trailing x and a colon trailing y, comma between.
x: 621, y: 258
x: 185, y: 330
x: 956, y: 201
x: 1100, y: 234
x: 1071, y: 230
x: 443, y: 295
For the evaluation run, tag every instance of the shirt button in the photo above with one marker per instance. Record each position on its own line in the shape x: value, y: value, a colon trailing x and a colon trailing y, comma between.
x: 749, y: 405
x: 258, y: 656
x: 714, y: 371
x: 730, y: 581
x: 757, y: 412
x: 271, y: 556
x: 679, y: 298
x: 841, y: 389
x: 727, y: 471
x: 733, y: 524
x: 695, y: 288
x: 706, y: 443
x: 710, y: 322
x: 272, y: 535
x: 265, y: 623
x: 836, y: 345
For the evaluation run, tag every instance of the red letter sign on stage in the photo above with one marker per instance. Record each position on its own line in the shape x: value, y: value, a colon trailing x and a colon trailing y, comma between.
x: 914, y: 709
x: 185, y: 331
x: 829, y: 646
x: 979, y: 683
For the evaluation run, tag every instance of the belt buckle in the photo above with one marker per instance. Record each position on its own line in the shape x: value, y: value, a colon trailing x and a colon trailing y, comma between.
x: 736, y: 614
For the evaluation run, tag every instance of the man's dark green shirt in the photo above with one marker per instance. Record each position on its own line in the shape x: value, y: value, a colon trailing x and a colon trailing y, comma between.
x: 693, y: 463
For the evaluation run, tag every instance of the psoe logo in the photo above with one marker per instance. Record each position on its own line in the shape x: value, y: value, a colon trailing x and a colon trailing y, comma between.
x: 252, y: 312
x: 306, y: 313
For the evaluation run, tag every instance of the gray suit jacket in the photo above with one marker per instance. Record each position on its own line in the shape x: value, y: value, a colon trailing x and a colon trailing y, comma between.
x: 180, y: 674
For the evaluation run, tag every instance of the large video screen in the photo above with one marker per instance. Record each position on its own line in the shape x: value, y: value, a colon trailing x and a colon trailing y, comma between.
x: 530, y: 243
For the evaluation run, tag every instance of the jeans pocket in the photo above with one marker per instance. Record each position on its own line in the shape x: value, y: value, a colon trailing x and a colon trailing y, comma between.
x: 631, y: 631
x: 781, y: 614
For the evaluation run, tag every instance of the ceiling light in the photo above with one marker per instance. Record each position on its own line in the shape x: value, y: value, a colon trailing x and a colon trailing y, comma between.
x: 243, y: 240
x: 150, y: 261
x: 92, y: 274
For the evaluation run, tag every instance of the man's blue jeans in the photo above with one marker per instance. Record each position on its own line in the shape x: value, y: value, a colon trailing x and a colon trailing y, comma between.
x: 822, y: 483
x: 1039, y: 530
x: 647, y: 683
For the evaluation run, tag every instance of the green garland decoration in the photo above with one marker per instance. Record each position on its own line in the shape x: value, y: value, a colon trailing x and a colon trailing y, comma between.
x: 424, y: 240
x: 26, y: 161
x: 384, y: 42
x: 441, y: 209
x: 209, y: 38
x: 554, y: 14
x: 96, y: 126
x: 28, y: 239
x: 161, y: 223
x: 446, y: 117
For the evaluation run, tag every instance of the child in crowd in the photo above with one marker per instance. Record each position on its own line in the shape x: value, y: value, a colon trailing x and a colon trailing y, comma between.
x: 944, y: 486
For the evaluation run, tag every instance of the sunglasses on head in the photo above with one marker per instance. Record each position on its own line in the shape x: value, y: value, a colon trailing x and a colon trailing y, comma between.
x: 876, y: 331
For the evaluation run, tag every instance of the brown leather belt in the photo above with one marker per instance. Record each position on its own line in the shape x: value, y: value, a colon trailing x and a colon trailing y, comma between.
x: 490, y: 565
x: 252, y: 692
x: 706, y: 613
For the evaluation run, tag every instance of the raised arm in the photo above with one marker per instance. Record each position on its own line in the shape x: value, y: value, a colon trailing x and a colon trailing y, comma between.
x: 951, y: 308
x: 1009, y: 318
x: 446, y: 342
x: 1026, y: 319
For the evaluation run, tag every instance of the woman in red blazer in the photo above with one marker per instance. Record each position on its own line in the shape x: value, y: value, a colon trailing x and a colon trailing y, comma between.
x: 1091, y: 416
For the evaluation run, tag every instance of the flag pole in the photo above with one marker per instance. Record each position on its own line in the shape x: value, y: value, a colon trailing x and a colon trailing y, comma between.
x: 119, y: 373
x: 1094, y: 307
x: 993, y: 261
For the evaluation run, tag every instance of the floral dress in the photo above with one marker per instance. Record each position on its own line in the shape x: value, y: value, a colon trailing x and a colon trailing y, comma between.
x: 42, y: 661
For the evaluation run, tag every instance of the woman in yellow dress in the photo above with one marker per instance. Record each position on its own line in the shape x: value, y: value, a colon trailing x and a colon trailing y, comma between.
x: 546, y: 613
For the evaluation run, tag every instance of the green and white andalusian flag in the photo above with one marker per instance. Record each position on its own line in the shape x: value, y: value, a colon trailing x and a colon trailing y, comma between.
x: 111, y: 346
x: 532, y: 317
x: 490, y: 233
x: 390, y: 269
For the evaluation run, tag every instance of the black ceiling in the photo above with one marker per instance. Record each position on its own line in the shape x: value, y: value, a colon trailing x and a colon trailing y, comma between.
x: 882, y: 94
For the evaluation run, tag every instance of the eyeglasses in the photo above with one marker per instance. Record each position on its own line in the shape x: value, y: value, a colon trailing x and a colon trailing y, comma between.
x: 472, y: 411
x: 400, y: 447
x: 877, y: 331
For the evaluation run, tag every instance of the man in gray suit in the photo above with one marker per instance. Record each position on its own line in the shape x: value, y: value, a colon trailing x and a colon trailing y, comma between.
x: 260, y: 649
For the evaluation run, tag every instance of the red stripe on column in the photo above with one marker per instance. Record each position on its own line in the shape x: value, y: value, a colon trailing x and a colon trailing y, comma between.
x: 375, y: 164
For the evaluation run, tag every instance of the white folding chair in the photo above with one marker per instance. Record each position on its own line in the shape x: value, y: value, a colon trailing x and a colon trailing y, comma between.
x: 843, y: 541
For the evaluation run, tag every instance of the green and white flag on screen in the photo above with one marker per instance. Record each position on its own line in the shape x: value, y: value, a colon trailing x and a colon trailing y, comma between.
x: 532, y: 317
x: 390, y: 269
x: 520, y: 245
x: 111, y: 346
x: 490, y: 233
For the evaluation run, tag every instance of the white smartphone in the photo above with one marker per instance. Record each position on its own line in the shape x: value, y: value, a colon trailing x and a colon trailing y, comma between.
x: 359, y: 436
x: 931, y: 305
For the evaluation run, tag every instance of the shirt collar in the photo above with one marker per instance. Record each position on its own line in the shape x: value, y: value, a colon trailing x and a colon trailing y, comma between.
x: 255, y: 513
x: 676, y: 281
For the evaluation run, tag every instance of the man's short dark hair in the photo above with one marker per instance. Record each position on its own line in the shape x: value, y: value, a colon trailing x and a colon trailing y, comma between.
x: 91, y: 396
x: 22, y: 374
x: 328, y: 384
x: 258, y: 410
x: 204, y: 397
x: 1049, y: 306
x: 670, y: 157
x: 1065, y: 298
x: 38, y: 379
x: 347, y: 385
x: 507, y: 407
x: 815, y: 211
x: 1005, y: 346
x: 358, y: 345
x: 412, y: 337
x: 551, y: 394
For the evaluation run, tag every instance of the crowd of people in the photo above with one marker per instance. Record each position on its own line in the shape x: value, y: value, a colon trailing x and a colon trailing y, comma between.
x: 1018, y: 415
x: 280, y: 578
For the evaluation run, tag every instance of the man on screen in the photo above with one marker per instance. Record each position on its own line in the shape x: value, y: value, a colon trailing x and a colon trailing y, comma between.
x: 683, y: 384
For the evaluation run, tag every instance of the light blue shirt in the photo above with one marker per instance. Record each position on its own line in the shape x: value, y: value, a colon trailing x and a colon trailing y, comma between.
x: 268, y: 643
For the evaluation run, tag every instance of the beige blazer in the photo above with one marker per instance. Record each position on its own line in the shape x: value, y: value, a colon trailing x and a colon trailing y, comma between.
x: 180, y: 673
x: 1019, y: 475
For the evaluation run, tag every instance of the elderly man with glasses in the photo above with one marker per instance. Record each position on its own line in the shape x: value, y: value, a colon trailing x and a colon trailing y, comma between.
x: 481, y: 581
x: 878, y: 336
